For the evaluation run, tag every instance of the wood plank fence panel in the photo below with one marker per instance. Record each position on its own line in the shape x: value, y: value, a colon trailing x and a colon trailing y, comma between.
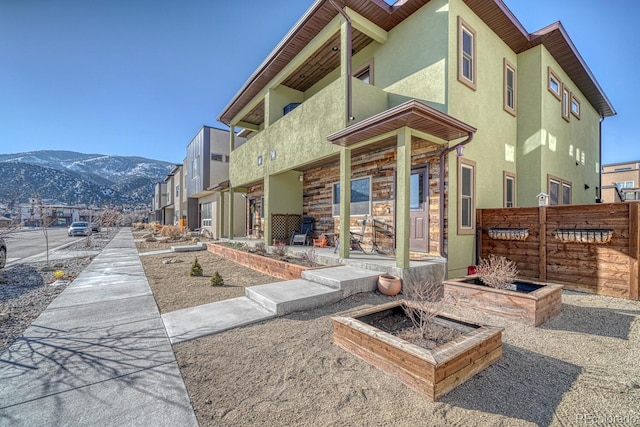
x: 604, y: 268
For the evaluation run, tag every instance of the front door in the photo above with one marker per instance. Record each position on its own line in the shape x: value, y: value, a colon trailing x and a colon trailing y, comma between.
x: 419, y: 204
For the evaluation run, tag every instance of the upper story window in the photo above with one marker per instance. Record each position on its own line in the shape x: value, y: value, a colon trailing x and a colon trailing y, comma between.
x: 365, y: 73
x: 220, y: 157
x: 509, y: 87
x: 467, y: 57
x: 177, y: 191
x: 566, y: 97
x: 466, y: 196
x: 625, y: 184
x: 360, y: 197
x: 555, y: 85
x: 575, y: 107
x: 194, y: 167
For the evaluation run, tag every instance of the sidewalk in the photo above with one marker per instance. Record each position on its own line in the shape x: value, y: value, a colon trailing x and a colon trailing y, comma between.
x: 99, y: 355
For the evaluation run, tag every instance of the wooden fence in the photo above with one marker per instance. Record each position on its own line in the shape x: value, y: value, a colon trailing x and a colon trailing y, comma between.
x: 591, y: 248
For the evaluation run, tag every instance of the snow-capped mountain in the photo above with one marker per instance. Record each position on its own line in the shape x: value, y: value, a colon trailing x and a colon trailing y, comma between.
x: 76, y: 178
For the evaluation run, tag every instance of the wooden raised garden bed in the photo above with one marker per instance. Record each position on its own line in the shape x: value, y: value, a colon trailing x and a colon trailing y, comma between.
x: 530, y: 302
x: 272, y: 267
x: 432, y: 372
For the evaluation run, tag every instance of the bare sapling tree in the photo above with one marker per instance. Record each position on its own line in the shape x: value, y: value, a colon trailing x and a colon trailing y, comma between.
x: 110, y: 218
x: 497, y: 271
x: 45, y: 219
x: 423, y: 301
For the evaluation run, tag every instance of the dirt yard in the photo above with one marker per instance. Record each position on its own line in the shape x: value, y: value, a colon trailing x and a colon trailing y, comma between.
x: 174, y: 289
x: 580, y: 368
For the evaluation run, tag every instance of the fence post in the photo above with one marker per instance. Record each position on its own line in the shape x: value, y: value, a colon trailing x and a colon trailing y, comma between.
x: 542, y: 241
x: 634, y: 249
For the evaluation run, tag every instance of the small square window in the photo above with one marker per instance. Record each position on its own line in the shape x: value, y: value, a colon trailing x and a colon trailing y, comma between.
x: 575, y: 107
x: 555, y: 85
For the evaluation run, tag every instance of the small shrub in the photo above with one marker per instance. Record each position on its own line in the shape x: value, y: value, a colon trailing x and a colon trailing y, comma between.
x: 497, y: 271
x: 260, y: 248
x: 279, y: 250
x: 196, y: 268
x: 310, y: 257
x: 216, y: 279
x: 58, y: 274
x: 171, y: 231
x: 156, y: 227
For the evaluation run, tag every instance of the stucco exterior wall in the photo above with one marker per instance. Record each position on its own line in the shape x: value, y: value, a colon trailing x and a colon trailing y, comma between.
x: 494, y: 143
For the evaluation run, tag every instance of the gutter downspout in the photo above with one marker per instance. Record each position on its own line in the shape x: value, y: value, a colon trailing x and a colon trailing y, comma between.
x: 599, y: 199
x: 441, y: 189
x: 349, y: 49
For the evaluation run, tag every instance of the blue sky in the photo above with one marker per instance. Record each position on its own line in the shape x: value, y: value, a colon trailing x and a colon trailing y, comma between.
x: 139, y: 78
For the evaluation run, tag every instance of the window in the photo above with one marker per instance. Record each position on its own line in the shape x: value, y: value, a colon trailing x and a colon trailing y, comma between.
x: 625, y: 184
x: 177, y: 191
x: 559, y: 191
x: 509, y: 87
x: 219, y: 157
x: 554, y: 83
x: 206, y: 214
x: 360, y: 197
x: 566, y: 96
x: 194, y: 167
x: 466, y: 196
x: 365, y: 73
x: 466, y: 54
x: 509, y: 189
x: 575, y: 107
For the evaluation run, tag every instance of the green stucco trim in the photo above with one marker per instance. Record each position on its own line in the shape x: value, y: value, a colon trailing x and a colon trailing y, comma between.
x: 345, y: 199
x: 403, y: 224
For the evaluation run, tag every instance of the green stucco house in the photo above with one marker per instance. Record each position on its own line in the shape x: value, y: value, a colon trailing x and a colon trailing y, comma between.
x: 418, y: 113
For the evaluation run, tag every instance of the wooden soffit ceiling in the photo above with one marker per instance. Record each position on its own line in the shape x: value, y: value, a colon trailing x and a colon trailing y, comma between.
x: 412, y: 114
x: 493, y: 12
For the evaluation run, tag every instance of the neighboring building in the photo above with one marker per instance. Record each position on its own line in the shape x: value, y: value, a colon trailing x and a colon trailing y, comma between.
x: 172, y: 210
x: 417, y: 113
x: 206, y: 185
x: 158, y: 203
x: 35, y: 214
x: 621, y: 182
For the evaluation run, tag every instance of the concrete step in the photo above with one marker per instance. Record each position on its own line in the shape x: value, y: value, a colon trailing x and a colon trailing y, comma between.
x: 195, y: 322
x: 292, y: 295
x: 349, y: 280
x: 189, y: 248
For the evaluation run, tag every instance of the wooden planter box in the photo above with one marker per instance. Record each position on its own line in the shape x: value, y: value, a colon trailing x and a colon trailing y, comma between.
x: 534, y: 304
x: 431, y: 372
x: 266, y: 265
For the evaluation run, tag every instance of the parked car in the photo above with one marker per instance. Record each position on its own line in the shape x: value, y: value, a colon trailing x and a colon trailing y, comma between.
x: 3, y: 253
x: 79, y: 228
x: 95, y: 227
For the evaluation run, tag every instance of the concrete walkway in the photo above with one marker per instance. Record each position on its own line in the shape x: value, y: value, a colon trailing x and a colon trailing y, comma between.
x: 99, y: 355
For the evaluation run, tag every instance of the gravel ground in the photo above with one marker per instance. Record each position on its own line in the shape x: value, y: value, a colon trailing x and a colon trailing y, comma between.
x: 26, y: 289
x: 578, y: 368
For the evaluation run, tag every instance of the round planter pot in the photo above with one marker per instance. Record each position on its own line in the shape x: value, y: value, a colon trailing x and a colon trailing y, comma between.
x: 389, y: 285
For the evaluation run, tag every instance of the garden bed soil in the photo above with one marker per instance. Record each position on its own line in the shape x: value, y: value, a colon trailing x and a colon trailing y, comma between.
x: 530, y: 302
x: 433, y: 372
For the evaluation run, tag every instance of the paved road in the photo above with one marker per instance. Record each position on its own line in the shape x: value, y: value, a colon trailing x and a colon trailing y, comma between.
x: 22, y: 244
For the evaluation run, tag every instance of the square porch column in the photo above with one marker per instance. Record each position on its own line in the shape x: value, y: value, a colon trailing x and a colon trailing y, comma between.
x: 345, y: 202
x: 231, y: 214
x: 220, y: 215
x: 403, y: 217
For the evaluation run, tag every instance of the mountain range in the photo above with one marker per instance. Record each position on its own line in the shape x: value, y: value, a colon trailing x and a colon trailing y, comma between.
x: 68, y: 177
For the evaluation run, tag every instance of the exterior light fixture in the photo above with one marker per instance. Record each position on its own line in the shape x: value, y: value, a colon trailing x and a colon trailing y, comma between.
x: 335, y: 48
x: 301, y: 177
x: 303, y: 76
x: 460, y: 151
x: 259, y: 160
x: 273, y: 154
